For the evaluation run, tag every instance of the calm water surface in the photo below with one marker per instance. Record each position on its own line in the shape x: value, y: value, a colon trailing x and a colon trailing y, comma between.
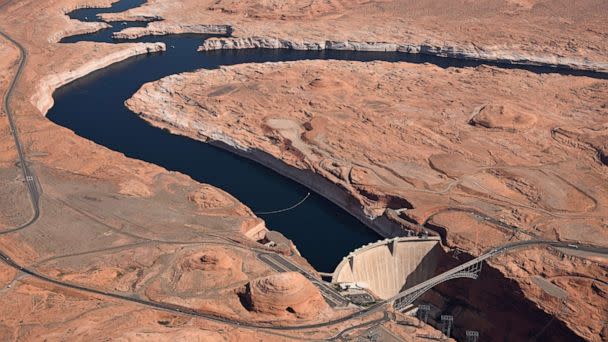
x: 93, y: 107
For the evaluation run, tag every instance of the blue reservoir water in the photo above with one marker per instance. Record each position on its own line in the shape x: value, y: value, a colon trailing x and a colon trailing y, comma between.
x: 93, y: 107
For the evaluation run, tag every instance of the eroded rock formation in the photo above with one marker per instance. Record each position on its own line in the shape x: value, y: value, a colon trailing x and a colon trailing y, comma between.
x: 283, y: 294
x: 462, y: 151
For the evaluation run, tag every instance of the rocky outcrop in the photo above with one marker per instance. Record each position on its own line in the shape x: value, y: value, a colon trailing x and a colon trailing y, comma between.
x: 110, y: 17
x: 476, y: 185
x: 211, y: 260
x: 83, y: 28
x: 458, y: 52
x: 137, y: 32
x: 75, y: 6
x: 76, y: 173
x: 287, y: 294
x: 504, y: 117
x: 43, y: 97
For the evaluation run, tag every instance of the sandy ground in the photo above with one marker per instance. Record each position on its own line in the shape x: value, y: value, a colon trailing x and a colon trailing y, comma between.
x: 551, y: 31
x: 476, y: 151
x: 33, y: 310
x: 11, y: 193
x: 122, y: 225
x: 110, y: 222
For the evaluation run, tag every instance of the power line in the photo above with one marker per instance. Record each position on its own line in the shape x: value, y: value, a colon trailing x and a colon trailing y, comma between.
x: 282, y: 210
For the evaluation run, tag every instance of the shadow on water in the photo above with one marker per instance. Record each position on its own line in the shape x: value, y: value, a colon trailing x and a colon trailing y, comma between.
x: 93, y: 107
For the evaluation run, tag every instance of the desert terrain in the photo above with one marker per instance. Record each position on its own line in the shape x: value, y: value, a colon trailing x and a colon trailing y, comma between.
x: 549, y: 32
x: 487, y: 155
x: 471, y: 152
x: 121, y: 227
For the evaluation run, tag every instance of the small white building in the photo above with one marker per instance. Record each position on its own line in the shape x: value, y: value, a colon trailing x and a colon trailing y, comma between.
x: 356, y: 286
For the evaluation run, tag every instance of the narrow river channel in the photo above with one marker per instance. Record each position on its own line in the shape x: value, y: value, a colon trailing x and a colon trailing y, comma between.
x: 93, y: 107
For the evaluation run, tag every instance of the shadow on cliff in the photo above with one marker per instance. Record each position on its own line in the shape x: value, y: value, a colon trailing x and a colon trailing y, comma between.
x: 495, y: 306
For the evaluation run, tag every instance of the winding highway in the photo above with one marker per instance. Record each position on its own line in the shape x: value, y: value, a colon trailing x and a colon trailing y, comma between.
x: 28, y: 173
x: 282, y: 264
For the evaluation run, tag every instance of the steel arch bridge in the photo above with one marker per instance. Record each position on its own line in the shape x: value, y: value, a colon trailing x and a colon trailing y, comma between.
x: 471, y: 272
x: 472, y: 268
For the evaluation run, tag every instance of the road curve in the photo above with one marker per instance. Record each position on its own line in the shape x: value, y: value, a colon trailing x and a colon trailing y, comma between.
x: 28, y: 173
x: 497, y: 251
x: 34, y: 194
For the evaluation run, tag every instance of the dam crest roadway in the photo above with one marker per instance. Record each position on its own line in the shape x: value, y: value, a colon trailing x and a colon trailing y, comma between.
x: 412, y: 267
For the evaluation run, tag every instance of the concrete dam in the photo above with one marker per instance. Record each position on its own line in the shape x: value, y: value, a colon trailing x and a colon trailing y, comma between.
x: 392, y: 265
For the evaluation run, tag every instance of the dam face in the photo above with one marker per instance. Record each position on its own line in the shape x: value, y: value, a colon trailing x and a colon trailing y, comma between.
x: 390, y: 266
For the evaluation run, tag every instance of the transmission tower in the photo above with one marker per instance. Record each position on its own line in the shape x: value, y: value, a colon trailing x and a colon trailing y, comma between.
x: 423, y: 313
x: 446, y: 326
x: 472, y: 335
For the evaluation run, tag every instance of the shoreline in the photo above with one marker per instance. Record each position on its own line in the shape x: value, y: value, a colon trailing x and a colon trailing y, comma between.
x: 316, y: 182
x: 494, y: 55
x: 385, y: 225
x: 446, y: 51
x: 42, y: 98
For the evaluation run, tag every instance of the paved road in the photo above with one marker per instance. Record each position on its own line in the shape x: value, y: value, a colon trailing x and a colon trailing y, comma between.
x: 28, y: 174
x: 494, y: 252
x: 34, y: 193
x: 282, y: 264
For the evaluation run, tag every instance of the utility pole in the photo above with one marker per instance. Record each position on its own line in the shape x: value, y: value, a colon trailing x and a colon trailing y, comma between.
x: 423, y: 313
x: 472, y: 335
x: 446, y: 321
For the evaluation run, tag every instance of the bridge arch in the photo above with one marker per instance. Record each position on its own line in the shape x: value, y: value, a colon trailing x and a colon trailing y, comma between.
x: 408, y: 296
